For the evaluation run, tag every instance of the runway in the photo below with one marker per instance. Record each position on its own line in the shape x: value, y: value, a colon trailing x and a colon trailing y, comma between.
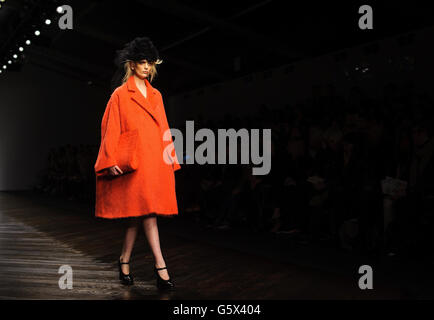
x: 39, y: 234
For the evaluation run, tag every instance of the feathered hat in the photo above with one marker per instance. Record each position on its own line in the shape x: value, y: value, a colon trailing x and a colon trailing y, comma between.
x: 138, y: 49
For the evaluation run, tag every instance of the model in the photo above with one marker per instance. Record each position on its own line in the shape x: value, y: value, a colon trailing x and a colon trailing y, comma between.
x: 141, y: 195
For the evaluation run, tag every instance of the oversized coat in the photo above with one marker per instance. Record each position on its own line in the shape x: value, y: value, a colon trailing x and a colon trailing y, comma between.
x: 150, y: 189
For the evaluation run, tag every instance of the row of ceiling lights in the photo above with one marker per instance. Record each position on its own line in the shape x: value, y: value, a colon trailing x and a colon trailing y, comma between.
x: 37, y: 33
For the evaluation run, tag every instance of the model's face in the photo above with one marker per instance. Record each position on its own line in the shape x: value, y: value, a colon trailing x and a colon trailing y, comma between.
x: 142, y: 68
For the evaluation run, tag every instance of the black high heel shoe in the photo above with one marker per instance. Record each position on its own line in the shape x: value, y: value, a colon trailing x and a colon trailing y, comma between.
x: 126, y: 279
x: 161, y: 283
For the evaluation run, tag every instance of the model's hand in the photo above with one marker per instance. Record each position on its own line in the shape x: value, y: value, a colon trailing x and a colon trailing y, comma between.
x: 115, y: 171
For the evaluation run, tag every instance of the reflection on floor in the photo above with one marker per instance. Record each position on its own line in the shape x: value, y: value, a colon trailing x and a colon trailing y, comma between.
x: 38, y: 235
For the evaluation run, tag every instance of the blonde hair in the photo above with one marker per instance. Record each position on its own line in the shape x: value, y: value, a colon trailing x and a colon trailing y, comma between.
x: 129, y: 72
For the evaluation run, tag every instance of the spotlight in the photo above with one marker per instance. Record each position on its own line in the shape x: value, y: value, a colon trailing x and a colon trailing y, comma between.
x: 1, y: 71
x: 9, y: 61
x: 21, y: 49
x: 4, y: 66
x: 28, y: 42
x: 15, y: 56
x: 47, y: 21
x: 59, y: 9
x: 37, y: 33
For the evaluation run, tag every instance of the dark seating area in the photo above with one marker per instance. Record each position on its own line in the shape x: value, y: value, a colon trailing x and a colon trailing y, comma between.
x: 331, y: 156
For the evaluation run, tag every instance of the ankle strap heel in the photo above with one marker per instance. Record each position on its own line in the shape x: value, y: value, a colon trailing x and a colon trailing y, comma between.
x: 126, y: 279
x: 161, y: 283
x: 160, y: 268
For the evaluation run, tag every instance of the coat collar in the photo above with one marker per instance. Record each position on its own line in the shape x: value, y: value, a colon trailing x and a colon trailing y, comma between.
x: 146, y: 103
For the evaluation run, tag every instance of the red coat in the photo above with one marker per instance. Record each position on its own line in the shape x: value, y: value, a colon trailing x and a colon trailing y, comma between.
x: 151, y: 188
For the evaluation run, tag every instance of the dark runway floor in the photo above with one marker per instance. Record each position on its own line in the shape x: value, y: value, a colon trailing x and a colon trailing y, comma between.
x: 38, y: 234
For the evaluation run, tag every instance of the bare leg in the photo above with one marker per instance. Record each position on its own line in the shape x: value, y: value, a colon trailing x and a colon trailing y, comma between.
x: 151, y: 231
x: 130, y: 238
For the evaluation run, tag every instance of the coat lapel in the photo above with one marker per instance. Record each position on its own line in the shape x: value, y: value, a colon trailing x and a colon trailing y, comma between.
x: 146, y: 103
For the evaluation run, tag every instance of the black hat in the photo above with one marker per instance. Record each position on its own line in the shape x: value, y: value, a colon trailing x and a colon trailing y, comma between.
x: 138, y: 49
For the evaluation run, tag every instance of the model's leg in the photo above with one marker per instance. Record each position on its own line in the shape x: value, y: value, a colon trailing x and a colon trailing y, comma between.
x: 151, y: 231
x: 130, y: 238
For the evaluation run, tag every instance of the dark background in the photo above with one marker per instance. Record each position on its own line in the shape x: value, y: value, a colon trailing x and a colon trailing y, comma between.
x: 57, y: 89
x: 351, y: 106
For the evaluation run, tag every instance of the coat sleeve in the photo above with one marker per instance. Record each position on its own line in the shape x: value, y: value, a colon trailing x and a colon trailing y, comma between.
x: 168, y: 145
x: 110, y: 132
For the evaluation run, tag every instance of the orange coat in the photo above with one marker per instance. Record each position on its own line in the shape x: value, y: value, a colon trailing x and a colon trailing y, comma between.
x: 151, y: 187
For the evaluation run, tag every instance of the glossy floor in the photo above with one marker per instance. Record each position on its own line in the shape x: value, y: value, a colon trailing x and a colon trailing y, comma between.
x: 39, y: 235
